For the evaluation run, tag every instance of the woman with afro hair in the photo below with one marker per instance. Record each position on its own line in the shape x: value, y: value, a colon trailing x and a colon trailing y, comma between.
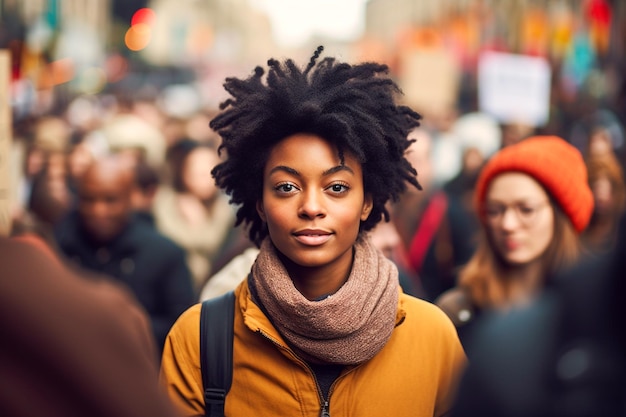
x: 321, y: 326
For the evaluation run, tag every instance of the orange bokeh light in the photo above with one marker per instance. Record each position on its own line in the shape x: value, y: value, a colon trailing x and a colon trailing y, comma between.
x: 138, y: 36
x: 57, y: 72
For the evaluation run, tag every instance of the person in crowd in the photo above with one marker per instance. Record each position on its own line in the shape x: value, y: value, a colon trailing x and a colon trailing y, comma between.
x: 533, y: 201
x: 228, y: 277
x: 43, y: 173
x: 147, y: 182
x: 193, y: 211
x: 133, y: 134
x: 563, y: 355
x: 444, y: 240
x: 606, y: 180
x: 71, y: 346
x: 79, y: 156
x: 445, y: 148
x: 321, y: 326
x: 49, y: 199
x: 386, y: 238
x: 598, y: 132
x: 104, y: 235
x: 408, y: 211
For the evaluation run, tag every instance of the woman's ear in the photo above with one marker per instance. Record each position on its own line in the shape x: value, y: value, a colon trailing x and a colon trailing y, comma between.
x: 368, y: 204
x: 259, y: 210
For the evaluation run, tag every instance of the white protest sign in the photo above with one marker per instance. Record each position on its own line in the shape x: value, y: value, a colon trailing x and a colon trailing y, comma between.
x: 514, y: 88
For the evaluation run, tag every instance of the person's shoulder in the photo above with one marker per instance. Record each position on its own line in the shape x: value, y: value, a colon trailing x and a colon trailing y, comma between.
x: 457, y: 305
x: 428, y: 330
x: 65, y: 290
x: 39, y: 242
x: 231, y: 275
x: 189, y: 317
x: 16, y: 249
x: 423, y: 310
x: 148, y: 236
x: 510, y: 353
x: 80, y: 320
x: 185, y: 332
x: 165, y: 195
x: 412, y: 303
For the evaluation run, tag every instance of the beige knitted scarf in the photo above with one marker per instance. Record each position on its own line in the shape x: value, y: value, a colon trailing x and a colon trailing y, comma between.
x: 347, y: 328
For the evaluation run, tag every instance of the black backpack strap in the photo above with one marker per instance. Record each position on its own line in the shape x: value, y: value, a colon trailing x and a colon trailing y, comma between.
x: 216, y: 351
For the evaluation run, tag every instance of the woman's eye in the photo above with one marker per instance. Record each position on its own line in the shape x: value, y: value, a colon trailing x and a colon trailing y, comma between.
x: 285, y: 188
x: 527, y: 211
x: 493, y: 211
x: 338, y: 188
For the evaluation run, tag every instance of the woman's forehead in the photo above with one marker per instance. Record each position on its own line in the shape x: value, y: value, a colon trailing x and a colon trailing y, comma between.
x: 512, y: 186
x: 310, y: 149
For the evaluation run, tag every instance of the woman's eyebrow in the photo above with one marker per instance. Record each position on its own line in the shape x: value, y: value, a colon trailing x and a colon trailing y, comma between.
x: 295, y: 172
x: 285, y: 169
x: 337, y: 169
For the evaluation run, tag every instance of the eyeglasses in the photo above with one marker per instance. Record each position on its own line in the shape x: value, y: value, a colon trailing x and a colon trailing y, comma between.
x: 525, y: 212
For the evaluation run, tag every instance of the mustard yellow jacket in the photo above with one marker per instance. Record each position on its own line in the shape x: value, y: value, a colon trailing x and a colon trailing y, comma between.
x: 415, y: 374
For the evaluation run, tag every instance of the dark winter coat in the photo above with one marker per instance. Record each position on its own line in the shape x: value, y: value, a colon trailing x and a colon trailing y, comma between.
x: 150, y: 264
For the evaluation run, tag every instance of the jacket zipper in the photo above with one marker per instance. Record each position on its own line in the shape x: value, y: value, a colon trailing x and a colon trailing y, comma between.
x: 324, y: 412
x: 324, y: 403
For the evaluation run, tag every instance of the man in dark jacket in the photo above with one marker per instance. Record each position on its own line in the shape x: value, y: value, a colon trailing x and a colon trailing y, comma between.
x: 71, y: 346
x: 104, y: 235
x: 564, y: 356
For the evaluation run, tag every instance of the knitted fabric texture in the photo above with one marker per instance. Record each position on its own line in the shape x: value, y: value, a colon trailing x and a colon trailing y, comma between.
x: 554, y: 163
x: 347, y: 328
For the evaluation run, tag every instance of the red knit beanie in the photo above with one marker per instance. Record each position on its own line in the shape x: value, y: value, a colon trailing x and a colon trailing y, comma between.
x: 555, y: 164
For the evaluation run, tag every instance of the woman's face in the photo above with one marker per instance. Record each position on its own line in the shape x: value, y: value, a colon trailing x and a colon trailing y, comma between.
x: 312, y: 204
x: 602, y: 190
x: 519, y: 217
x: 197, y: 172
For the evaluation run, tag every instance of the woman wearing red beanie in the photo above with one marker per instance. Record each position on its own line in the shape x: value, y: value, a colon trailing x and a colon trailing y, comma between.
x: 533, y: 201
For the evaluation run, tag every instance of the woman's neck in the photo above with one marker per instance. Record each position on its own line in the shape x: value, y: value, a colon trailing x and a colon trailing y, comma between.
x: 525, y: 281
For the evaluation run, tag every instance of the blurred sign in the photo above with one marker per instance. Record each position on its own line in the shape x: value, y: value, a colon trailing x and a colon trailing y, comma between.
x: 5, y: 142
x: 430, y: 80
x: 514, y: 88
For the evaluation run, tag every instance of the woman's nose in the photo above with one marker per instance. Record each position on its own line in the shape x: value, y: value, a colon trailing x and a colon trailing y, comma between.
x: 312, y: 205
x: 510, y: 219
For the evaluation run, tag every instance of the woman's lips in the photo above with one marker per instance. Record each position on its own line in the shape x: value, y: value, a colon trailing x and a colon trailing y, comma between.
x: 312, y: 237
x: 511, y: 244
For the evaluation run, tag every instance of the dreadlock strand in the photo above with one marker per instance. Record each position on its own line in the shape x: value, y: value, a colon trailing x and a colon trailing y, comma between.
x: 313, y: 59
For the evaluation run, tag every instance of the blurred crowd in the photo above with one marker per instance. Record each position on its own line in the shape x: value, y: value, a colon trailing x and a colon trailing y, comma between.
x: 120, y: 185
x: 159, y: 136
x: 171, y: 155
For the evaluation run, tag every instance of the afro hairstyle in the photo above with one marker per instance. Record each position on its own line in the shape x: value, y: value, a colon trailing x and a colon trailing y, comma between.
x: 351, y: 106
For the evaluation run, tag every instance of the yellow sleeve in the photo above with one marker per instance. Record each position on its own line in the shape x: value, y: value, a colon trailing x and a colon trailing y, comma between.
x: 180, y: 364
x: 454, y: 364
